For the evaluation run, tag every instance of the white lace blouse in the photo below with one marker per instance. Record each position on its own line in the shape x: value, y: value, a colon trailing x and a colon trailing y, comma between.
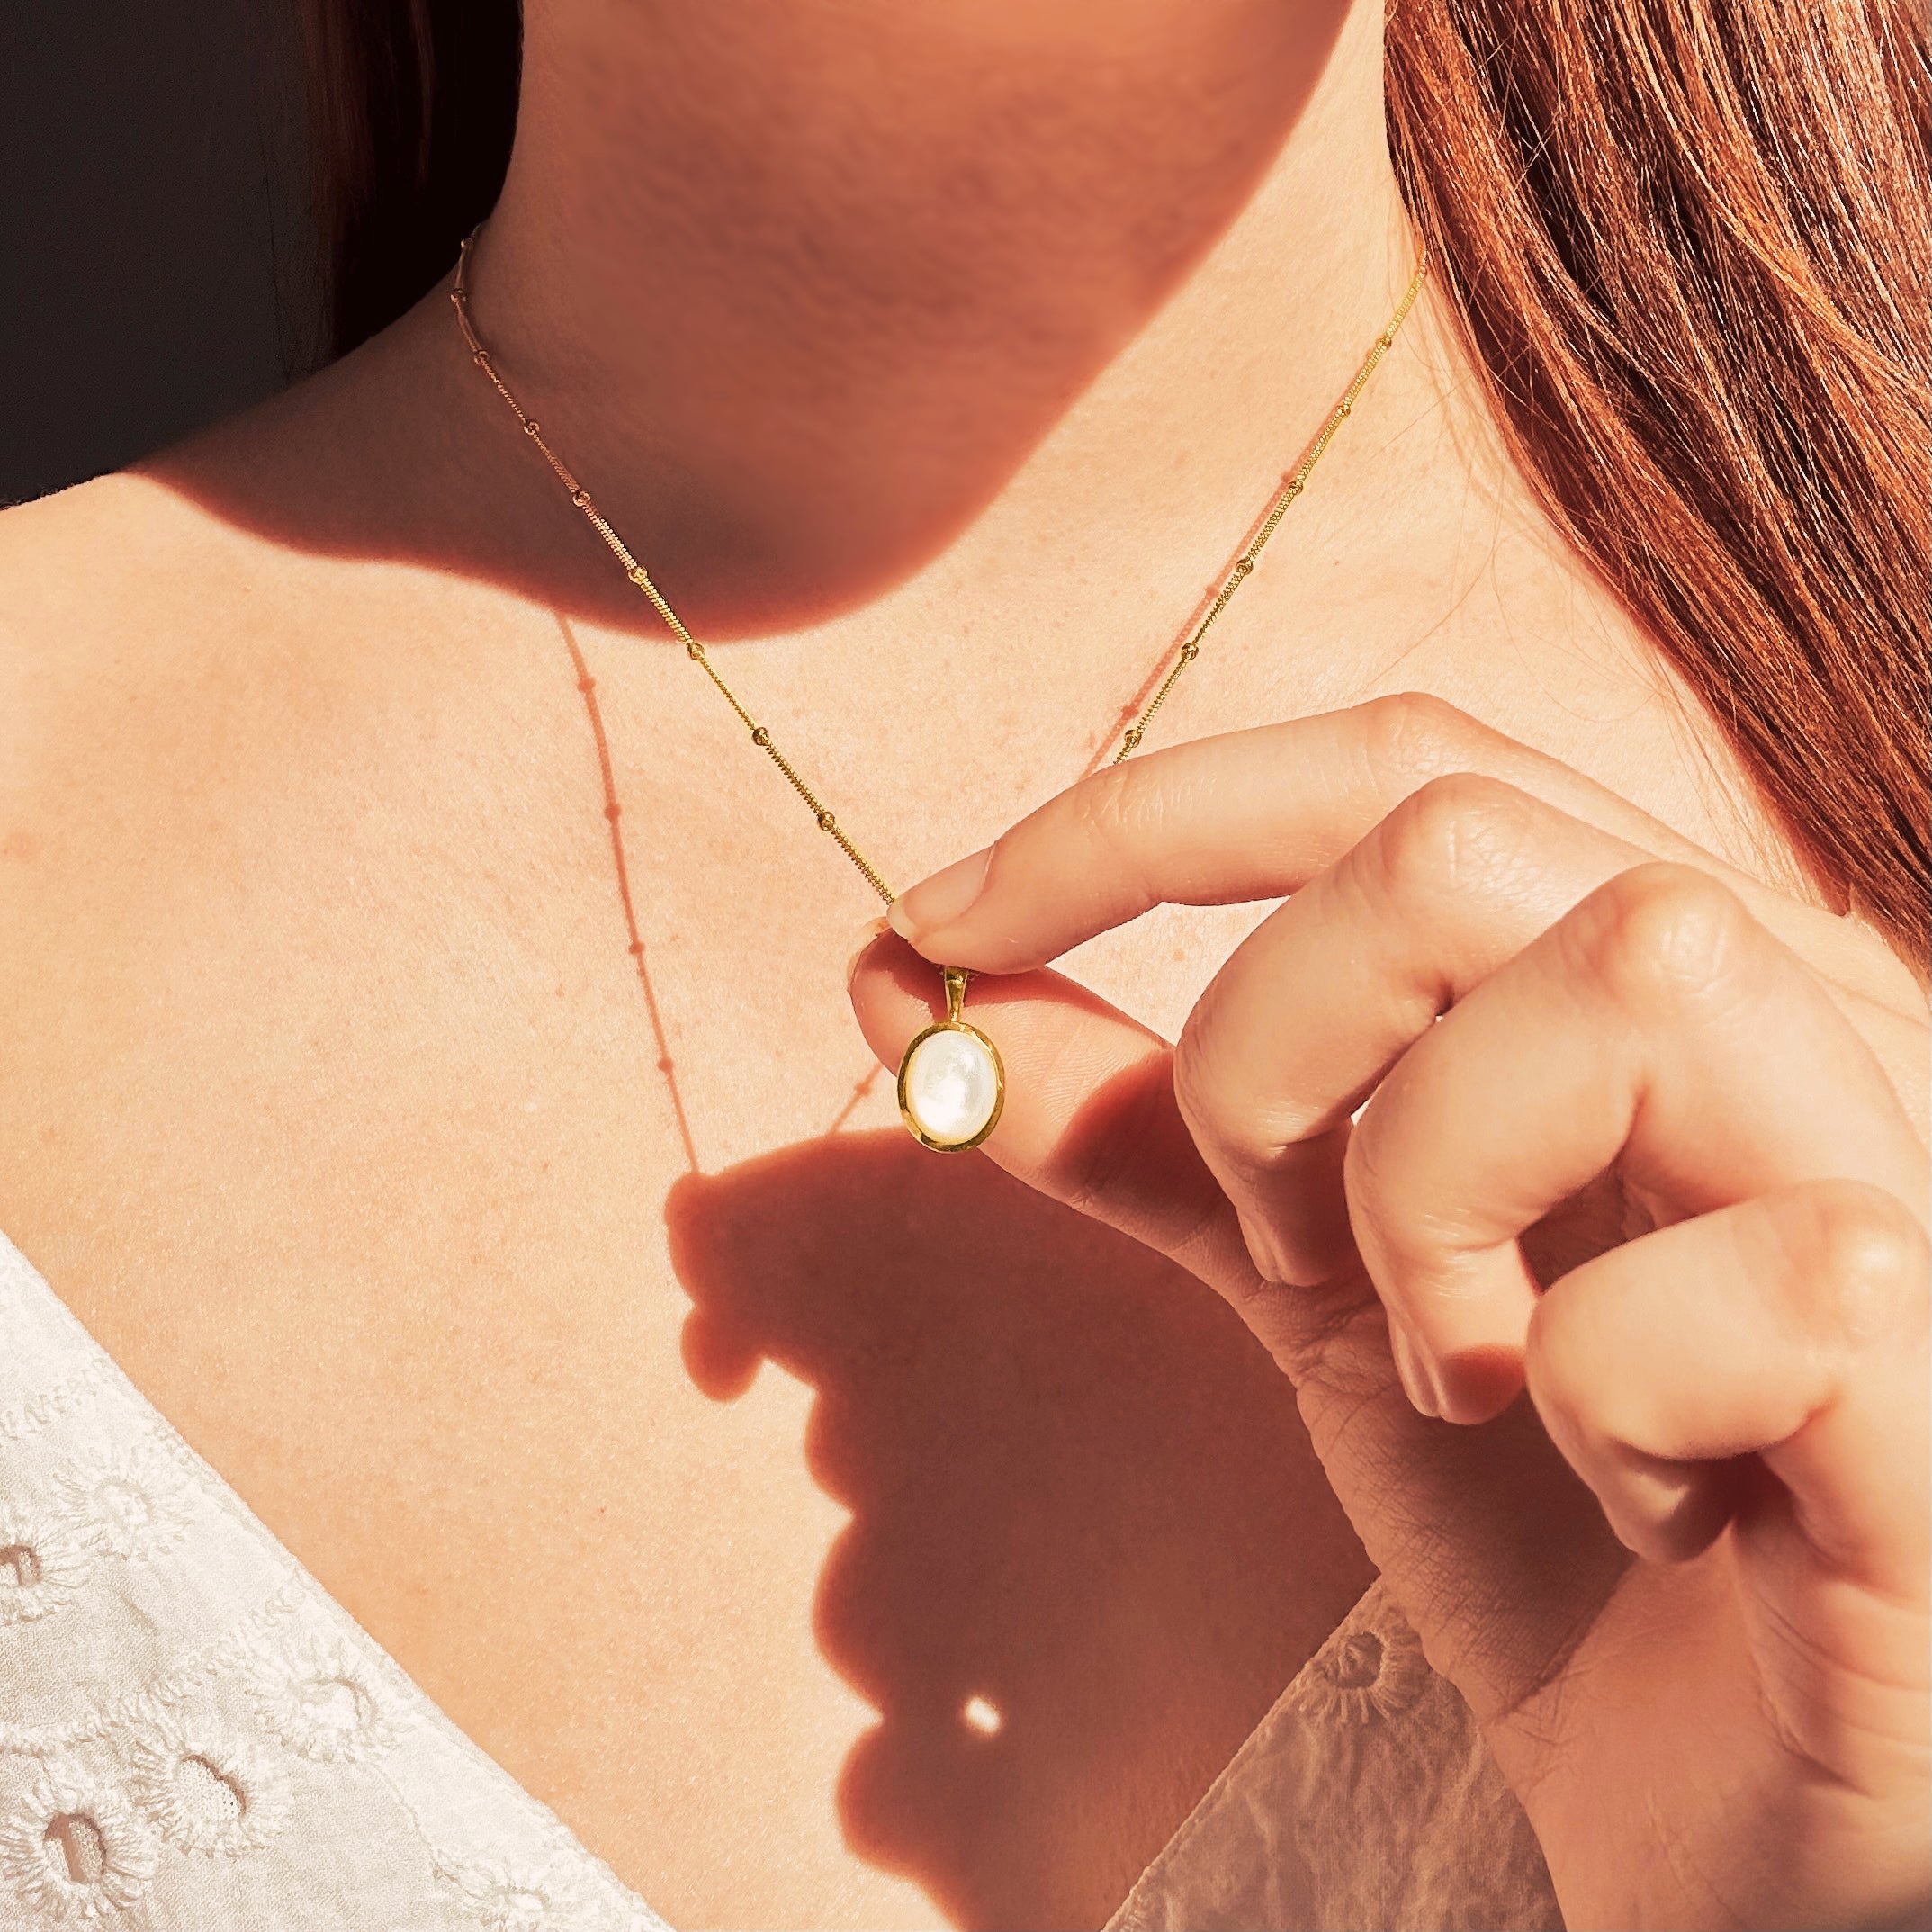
x: 195, y: 1737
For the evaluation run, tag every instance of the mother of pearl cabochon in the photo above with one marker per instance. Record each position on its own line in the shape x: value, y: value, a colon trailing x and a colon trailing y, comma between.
x: 950, y: 1086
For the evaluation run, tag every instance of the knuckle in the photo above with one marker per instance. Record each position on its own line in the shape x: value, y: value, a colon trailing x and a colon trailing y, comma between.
x: 1194, y: 1082
x: 1093, y: 1170
x: 1660, y: 934
x: 1864, y: 1261
x: 1364, y: 1167
x: 1457, y: 834
x: 1401, y: 1230
x: 1218, y: 1111
x: 1120, y: 811
x: 1411, y: 737
x: 1247, y: 1111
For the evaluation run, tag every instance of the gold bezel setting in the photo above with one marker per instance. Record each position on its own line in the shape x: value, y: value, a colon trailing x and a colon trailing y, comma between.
x: 954, y: 1022
x: 912, y: 1126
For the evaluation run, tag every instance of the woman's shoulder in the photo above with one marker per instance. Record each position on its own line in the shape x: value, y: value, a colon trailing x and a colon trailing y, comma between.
x: 69, y: 567
x: 105, y: 587
x: 150, y: 628
x: 204, y: 561
x: 93, y: 582
x: 117, y: 598
x: 155, y: 662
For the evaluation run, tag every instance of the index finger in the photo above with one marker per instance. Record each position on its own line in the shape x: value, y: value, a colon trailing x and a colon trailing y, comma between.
x: 1256, y: 814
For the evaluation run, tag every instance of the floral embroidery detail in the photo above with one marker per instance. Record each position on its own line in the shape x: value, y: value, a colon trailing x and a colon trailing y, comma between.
x: 124, y: 1502
x: 74, y: 1848
x: 508, y: 1901
x: 221, y: 1660
x: 207, y: 1789
x: 322, y: 1700
x: 1373, y: 1672
x: 42, y: 1563
x: 62, y: 1399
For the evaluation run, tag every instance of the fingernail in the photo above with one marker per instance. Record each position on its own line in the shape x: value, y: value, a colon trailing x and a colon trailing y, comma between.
x: 868, y: 939
x: 1412, y: 1365
x: 940, y: 899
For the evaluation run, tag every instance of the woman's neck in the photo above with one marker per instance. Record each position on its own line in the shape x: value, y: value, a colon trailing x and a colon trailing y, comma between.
x: 874, y: 335
x: 801, y: 333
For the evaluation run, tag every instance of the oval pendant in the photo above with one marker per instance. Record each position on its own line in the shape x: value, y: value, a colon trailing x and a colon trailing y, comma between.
x: 951, y: 1083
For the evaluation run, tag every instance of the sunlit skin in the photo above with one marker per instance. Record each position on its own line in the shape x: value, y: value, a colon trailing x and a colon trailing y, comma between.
x: 937, y: 360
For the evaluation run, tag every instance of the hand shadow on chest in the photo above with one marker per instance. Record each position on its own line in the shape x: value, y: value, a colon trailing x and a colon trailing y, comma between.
x: 1089, y: 1543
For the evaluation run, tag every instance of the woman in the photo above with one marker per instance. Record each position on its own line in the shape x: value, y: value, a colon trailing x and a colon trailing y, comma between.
x: 448, y: 1190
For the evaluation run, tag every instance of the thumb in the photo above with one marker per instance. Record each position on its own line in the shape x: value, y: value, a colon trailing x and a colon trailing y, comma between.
x: 1089, y: 1118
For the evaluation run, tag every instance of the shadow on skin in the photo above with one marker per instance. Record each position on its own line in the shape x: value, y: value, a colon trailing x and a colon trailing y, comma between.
x: 1089, y: 1543
x: 837, y: 379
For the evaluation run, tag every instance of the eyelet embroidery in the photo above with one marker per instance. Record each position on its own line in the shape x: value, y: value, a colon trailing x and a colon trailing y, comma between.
x: 74, y: 1848
x: 1373, y: 1674
x: 62, y: 1399
x: 206, y: 1789
x: 230, y: 1656
x: 507, y: 1900
x: 125, y: 1502
x: 42, y: 1562
x: 84, y: 1846
x: 323, y: 1701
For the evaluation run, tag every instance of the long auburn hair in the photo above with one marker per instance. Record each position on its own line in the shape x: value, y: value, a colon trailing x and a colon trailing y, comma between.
x: 1687, y: 244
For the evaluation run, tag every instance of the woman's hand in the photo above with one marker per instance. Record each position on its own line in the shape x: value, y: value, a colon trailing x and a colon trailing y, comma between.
x: 1642, y: 1138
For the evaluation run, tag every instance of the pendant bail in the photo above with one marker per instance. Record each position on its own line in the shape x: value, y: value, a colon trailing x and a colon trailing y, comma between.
x: 956, y: 986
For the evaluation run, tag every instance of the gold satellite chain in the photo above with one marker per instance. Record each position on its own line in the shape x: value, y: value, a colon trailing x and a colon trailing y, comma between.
x: 1241, y: 568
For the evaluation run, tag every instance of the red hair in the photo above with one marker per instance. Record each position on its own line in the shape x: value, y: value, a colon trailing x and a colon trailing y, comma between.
x: 1687, y: 242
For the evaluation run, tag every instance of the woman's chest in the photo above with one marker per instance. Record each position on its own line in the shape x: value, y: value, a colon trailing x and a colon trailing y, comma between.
x: 824, y: 1527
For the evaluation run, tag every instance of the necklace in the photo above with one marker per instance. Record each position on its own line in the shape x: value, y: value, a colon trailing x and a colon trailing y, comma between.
x: 952, y: 1082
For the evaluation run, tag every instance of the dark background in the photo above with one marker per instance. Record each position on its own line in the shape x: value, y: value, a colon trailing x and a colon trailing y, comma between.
x: 155, y: 253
